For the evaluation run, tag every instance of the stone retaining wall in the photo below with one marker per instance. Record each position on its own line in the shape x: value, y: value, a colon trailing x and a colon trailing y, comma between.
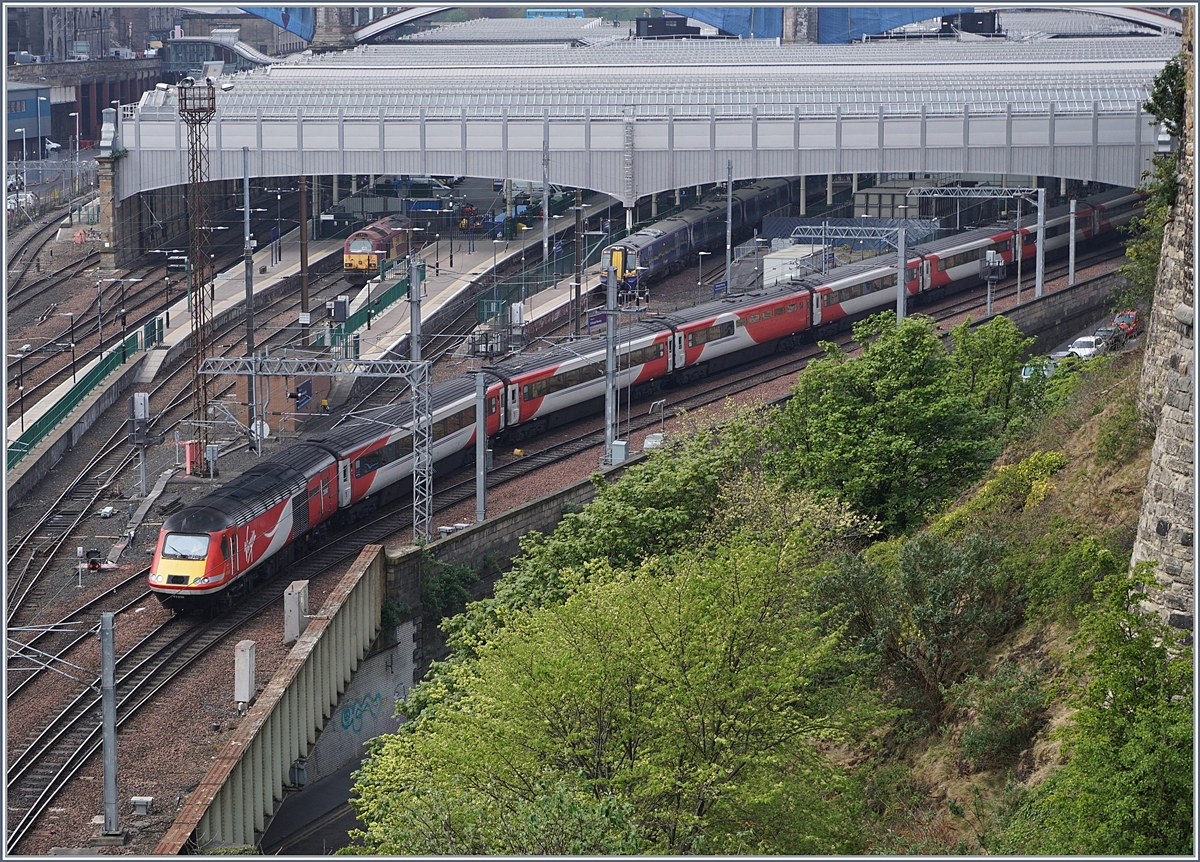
x: 1165, y: 528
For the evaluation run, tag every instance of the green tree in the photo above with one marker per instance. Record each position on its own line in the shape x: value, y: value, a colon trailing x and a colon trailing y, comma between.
x: 656, y: 508
x: 1127, y: 786
x: 887, y: 431
x: 1168, y: 96
x: 692, y: 690
x: 1144, y: 247
x: 986, y: 361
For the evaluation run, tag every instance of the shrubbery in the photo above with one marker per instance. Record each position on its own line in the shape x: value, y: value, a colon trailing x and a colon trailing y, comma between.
x: 1008, y: 709
x: 926, y: 613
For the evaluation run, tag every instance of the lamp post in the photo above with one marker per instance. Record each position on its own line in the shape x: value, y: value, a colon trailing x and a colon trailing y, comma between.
x: 124, y: 349
x: 100, y: 315
x: 523, y: 230
x: 24, y: 177
x: 700, y: 273
x: 74, y: 173
x: 437, y: 254
x: 71, y: 315
x: 20, y: 357
x: 40, y: 133
x: 279, y: 193
x: 495, y: 277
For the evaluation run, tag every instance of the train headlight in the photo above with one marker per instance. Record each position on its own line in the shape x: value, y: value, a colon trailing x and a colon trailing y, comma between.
x: 204, y: 580
x: 156, y: 579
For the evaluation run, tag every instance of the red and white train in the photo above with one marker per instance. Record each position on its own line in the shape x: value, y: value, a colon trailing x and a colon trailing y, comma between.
x: 215, y: 548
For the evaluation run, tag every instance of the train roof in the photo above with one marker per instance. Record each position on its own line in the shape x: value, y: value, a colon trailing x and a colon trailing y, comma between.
x: 365, y: 425
x: 559, y: 353
x: 261, y: 486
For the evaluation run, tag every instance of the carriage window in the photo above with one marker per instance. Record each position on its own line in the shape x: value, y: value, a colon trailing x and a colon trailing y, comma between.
x: 640, y: 356
x: 372, y: 461
x: 959, y: 259
x: 712, y: 333
x: 185, y: 546
x: 562, y: 381
x: 754, y: 318
x: 454, y: 422
x: 791, y: 307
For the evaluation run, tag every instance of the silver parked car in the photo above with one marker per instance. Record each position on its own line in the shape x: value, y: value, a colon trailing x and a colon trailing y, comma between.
x: 1087, y: 346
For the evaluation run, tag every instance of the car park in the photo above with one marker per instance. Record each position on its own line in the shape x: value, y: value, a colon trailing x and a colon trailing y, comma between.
x: 1087, y: 346
x: 1112, y: 336
x: 1129, y: 322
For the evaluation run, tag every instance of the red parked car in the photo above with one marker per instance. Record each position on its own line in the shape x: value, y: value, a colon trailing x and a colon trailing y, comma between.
x: 1129, y: 322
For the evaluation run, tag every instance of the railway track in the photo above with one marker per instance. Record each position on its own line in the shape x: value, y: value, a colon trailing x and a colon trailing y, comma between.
x: 36, y: 551
x: 56, y: 754
x: 45, y: 765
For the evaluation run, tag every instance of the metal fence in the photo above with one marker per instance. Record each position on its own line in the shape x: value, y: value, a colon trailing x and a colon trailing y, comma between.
x: 36, y: 189
x: 37, y: 430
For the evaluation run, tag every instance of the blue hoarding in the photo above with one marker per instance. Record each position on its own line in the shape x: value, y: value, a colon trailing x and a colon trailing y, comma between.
x: 300, y: 20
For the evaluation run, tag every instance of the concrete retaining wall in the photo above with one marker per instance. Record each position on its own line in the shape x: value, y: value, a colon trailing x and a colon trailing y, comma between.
x: 368, y: 707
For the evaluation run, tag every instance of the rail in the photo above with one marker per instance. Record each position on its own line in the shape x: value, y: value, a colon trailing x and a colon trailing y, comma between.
x: 241, y: 791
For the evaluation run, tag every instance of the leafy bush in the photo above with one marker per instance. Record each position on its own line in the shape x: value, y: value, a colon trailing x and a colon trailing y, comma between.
x: 1014, y: 488
x: 1127, y: 786
x: 883, y: 430
x: 1122, y: 433
x: 1008, y: 709
x: 928, y: 617
x: 1061, y: 586
x: 445, y: 587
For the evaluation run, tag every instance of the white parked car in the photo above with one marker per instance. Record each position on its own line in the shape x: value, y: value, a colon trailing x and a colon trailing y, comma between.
x: 1086, y: 347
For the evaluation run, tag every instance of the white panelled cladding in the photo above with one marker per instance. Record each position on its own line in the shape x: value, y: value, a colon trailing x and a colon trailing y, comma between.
x: 593, y: 154
x: 633, y: 117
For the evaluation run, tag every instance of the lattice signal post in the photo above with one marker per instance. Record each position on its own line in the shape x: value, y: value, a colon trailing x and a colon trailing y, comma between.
x: 197, y: 106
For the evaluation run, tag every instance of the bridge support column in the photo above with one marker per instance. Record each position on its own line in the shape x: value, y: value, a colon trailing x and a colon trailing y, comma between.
x: 108, y: 243
x: 829, y: 190
x: 676, y: 197
x: 654, y: 206
x: 854, y: 182
x: 629, y: 219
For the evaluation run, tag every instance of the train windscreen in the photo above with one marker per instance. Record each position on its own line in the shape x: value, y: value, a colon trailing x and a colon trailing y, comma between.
x: 185, y: 546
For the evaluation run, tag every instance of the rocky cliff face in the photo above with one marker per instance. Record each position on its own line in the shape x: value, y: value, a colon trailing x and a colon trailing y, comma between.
x: 1165, y: 531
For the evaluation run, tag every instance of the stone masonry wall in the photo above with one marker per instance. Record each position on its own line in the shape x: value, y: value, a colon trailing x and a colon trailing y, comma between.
x: 1165, y: 529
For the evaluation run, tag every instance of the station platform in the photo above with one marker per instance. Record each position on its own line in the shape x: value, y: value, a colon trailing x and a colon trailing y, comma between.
x: 474, y: 262
x: 443, y: 285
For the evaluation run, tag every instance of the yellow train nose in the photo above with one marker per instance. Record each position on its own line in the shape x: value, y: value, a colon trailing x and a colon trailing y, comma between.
x: 178, y: 573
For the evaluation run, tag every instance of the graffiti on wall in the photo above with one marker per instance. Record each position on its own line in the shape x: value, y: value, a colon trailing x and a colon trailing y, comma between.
x: 353, y: 713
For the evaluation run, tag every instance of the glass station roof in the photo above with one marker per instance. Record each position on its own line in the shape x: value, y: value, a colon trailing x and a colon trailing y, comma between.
x: 694, y: 77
